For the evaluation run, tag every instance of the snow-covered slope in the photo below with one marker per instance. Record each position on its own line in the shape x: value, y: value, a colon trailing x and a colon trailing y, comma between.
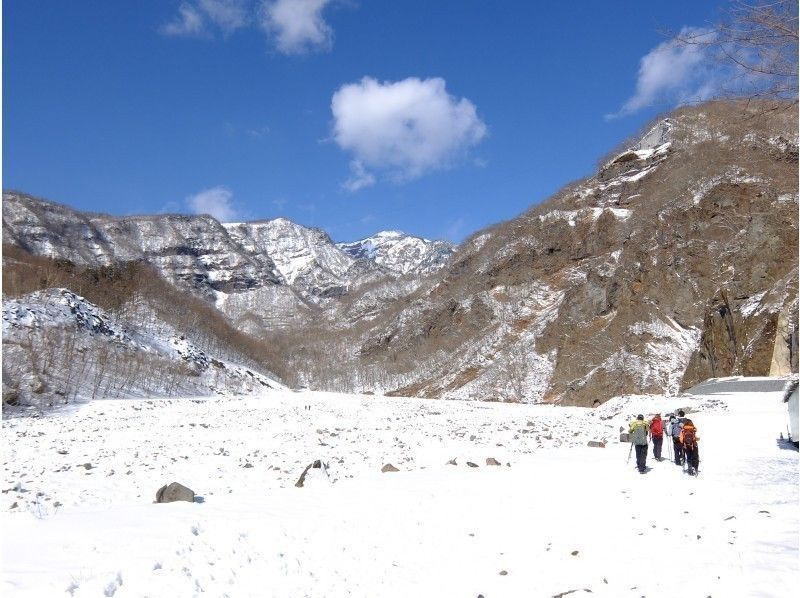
x: 58, y: 348
x: 401, y: 253
x: 555, y: 518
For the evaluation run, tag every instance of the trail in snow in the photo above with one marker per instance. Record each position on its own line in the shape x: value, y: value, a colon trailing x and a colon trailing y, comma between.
x: 561, y: 517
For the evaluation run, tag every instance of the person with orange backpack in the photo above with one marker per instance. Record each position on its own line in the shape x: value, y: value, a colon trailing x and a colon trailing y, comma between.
x: 689, y: 439
x: 657, y: 435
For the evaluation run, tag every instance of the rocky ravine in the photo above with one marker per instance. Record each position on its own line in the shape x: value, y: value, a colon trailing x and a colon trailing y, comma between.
x: 675, y: 262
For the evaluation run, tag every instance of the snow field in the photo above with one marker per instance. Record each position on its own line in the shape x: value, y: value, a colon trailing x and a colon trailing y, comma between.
x: 430, y: 529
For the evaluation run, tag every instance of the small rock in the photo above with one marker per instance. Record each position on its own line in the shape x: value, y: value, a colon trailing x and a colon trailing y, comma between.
x: 248, y: 465
x: 452, y: 462
x: 574, y: 553
x: 492, y: 461
x: 471, y: 464
x: 14, y: 505
x: 729, y: 518
x: 472, y: 437
x: 86, y: 466
x: 388, y: 468
x: 597, y: 443
x: 503, y: 572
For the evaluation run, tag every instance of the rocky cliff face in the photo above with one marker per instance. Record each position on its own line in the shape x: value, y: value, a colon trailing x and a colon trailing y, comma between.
x: 673, y: 263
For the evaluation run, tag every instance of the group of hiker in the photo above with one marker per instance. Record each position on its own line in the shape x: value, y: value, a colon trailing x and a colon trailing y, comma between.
x: 680, y: 430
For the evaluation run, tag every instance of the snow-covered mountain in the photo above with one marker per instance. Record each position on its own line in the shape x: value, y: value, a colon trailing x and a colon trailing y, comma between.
x: 264, y: 275
x: 676, y: 261
x: 401, y: 253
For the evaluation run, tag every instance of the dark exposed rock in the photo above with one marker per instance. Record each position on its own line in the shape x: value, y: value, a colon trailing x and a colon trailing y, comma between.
x: 389, y: 468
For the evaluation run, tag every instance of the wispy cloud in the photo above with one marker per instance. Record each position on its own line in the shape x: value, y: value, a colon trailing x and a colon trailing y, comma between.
x: 292, y: 26
x: 675, y: 72
x: 201, y: 18
x: 297, y: 26
x: 359, y: 177
x: 402, y: 129
x: 258, y: 132
x: 454, y: 230
x: 216, y: 202
x: 188, y: 23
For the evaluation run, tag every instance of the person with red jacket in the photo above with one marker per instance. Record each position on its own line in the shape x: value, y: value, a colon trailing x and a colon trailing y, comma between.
x: 657, y: 435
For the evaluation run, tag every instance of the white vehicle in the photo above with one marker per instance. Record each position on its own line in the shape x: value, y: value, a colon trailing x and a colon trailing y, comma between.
x: 790, y: 398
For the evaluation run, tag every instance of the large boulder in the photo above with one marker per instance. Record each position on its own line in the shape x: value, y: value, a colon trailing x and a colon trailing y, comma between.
x: 174, y: 492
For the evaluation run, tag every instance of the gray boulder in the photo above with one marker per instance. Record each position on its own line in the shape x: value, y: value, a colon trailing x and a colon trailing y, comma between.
x: 174, y: 492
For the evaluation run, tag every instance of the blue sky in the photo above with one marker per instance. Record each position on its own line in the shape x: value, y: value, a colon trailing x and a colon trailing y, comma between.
x: 437, y: 118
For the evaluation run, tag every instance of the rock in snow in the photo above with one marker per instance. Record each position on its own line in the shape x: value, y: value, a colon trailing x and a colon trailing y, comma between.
x: 174, y: 492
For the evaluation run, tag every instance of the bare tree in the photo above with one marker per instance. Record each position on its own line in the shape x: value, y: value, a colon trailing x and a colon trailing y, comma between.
x: 759, y: 40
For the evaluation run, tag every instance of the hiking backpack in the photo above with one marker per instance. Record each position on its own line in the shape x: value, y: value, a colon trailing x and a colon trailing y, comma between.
x: 689, y: 439
x: 656, y: 428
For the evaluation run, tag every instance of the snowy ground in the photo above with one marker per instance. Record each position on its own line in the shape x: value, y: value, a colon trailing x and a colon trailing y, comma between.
x: 561, y: 517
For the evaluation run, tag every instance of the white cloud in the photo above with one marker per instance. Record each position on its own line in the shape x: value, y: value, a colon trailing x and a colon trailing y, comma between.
x: 675, y: 72
x: 199, y: 18
x: 215, y: 202
x: 403, y: 129
x: 189, y: 22
x: 297, y: 26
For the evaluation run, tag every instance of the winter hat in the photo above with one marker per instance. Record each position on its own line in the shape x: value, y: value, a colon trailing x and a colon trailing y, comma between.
x: 657, y: 416
x: 681, y: 412
x: 640, y: 416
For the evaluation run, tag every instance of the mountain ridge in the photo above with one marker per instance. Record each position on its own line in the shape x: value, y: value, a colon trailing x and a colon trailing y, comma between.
x: 674, y: 262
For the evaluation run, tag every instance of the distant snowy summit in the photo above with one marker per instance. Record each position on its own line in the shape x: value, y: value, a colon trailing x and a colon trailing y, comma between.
x: 401, y: 253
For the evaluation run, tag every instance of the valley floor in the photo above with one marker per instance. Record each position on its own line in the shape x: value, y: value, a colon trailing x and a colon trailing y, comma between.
x: 78, y: 515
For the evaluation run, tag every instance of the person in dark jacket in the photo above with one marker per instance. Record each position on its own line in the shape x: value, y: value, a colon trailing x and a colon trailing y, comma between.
x: 638, y: 434
x: 689, y: 440
x: 657, y: 435
x: 675, y: 432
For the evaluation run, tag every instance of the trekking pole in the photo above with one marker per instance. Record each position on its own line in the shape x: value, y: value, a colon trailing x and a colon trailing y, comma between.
x: 630, y: 450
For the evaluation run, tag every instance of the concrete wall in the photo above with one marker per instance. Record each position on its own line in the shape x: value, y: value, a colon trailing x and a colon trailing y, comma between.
x: 739, y: 384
